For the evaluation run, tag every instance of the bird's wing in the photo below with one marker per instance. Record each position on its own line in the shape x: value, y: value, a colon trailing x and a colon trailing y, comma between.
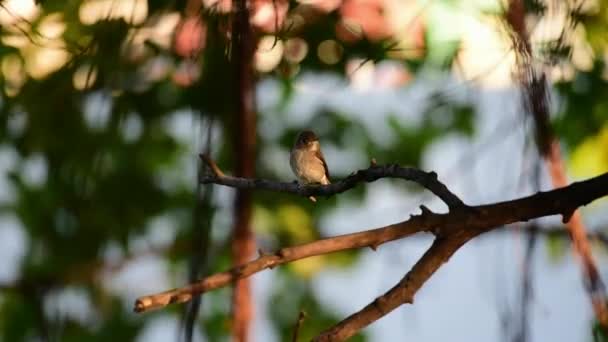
x: 319, y: 156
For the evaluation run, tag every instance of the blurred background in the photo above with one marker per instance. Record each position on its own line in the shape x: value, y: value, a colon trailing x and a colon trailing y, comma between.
x: 105, y: 105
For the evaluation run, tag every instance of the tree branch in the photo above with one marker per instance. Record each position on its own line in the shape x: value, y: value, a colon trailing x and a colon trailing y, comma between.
x: 374, y: 172
x: 458, y: 231
x: 462, y: 223
x: 371, y: 238
x: 403, y: 292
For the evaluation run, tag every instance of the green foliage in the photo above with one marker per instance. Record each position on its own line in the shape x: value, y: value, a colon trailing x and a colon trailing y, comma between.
x: 440, y: 118
x: 557, y: 248
x: 22, y: 314
x: 599, y: 334
x: 585, y: 108
x: 217, y: 324
x: 113, y: 163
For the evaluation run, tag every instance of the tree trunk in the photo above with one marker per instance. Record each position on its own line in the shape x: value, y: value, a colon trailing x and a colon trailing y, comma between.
x: 243, y: 243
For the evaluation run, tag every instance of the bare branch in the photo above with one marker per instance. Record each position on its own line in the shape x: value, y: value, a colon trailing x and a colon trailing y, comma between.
x: 454, y: 226
x: 403, y: 292
x: 458, y: 231
x: 374, y: 172
x: 372, y: 238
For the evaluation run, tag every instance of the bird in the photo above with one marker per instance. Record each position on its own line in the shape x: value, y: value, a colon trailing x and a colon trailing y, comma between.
x: 307, y: 161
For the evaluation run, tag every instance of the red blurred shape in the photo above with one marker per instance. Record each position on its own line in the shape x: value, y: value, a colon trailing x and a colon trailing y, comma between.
x: 369, y: 15
x: 190, y: 37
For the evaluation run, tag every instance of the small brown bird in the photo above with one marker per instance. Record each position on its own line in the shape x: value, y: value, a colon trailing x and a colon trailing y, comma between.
x: 307, y: 161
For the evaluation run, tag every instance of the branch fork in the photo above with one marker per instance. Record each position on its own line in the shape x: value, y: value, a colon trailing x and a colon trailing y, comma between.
x: 452, y: 230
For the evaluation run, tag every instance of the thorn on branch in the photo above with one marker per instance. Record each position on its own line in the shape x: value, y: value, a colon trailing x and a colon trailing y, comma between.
x: 425, y: 211
x: 374, y: 247
x: 281, y: 253
x: 139, y: 306
x: 380, y: 303
x: 567, y: 215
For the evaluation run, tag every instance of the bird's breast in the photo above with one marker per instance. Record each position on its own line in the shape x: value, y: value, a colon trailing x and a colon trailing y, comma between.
x: 307, y: 167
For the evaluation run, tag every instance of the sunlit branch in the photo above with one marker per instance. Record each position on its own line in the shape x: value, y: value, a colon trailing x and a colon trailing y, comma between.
x: 371, y: 238
x: 455, y: 228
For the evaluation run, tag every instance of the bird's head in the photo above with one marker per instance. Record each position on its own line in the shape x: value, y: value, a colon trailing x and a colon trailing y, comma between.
x: 307, y: 139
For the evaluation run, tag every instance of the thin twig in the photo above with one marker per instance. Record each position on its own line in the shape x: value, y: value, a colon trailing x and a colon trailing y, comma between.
x: 536, y: 101
x: 527, y: 292
x: 201, y: 225
x: 563, y: 232
x: 296, y: 329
